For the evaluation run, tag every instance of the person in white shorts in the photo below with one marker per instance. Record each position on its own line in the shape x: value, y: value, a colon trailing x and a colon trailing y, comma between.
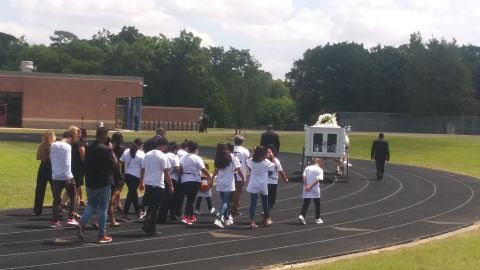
x: 312, y: 175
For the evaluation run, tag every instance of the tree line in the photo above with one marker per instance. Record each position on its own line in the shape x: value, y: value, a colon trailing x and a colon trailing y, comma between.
x: 434, y: 78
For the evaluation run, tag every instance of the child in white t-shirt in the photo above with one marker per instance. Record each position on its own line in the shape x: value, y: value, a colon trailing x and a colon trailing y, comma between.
x: 273, y: 177
x: 207, y: 194
x: 312, y: 175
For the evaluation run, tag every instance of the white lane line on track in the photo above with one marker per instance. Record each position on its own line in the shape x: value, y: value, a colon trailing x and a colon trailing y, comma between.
x: 258, y: 237
x: 182, y: 235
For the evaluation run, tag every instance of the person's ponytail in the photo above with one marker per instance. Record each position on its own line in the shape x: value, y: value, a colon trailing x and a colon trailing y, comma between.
x: 135, y: 147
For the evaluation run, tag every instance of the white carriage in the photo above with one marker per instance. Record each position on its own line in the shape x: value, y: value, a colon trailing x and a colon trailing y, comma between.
x: 328, y: 141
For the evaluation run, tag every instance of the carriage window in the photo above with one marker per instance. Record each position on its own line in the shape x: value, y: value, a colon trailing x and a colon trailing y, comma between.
x: 317, y: 142
x: 332, y: 143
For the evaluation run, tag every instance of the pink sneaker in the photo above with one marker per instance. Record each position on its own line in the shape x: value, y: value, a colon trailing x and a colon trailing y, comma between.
x: 105, y: 239
x: 56, y: 224
x: 193, y: 219
x: 185, y: 220
x: 72, y: 221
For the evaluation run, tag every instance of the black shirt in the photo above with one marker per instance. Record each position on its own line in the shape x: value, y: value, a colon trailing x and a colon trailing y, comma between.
x: 99, y: 165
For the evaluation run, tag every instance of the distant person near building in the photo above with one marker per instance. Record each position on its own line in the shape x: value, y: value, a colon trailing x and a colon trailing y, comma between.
x: 269, y: 137
x: 381, y: 153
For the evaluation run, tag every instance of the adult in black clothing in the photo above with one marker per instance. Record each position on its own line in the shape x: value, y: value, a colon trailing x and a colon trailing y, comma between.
x: 269, y: 137
x: 152, y: 143
x: 100, y: 163
x: 381, y: 153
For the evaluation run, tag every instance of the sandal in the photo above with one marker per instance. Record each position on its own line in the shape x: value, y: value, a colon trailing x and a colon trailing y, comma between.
x: 116, y: 224
x: 253, y: 226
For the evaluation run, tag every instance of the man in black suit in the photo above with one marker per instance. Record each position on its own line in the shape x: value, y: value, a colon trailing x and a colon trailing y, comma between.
x: 269, y: 137
x: 380, y: 153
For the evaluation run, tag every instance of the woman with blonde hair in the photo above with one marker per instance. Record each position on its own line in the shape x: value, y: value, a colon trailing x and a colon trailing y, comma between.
x: 44, y: 174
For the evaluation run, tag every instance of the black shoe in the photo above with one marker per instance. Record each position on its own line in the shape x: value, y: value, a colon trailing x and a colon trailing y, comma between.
x: 148, y: 231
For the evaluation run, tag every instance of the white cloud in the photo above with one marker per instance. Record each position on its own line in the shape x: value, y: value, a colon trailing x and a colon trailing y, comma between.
x: 206, y: 38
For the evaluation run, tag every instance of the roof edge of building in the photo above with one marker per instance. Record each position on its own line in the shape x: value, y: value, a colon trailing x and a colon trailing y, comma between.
x: 70, y: 76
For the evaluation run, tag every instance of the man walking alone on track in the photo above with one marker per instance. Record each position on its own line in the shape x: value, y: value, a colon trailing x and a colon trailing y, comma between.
x: 381, y: 153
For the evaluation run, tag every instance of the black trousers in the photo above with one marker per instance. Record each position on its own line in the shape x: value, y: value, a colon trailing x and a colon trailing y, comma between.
x: 58, y: 186
x: 44, y: 176
x: 380, y: 164
x: 178, y: 197
x: 190, y: 188
x: 306, y: 204
x: 272, y: 195
x: 155, y: 197
x: 168, y: 204
x: 132, y: 183
x: 199, y: 202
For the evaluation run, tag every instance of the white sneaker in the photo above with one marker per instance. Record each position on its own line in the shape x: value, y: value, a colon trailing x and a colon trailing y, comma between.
x: 301, y: 219
x: 212, y: 210
x: 227, y: 222
x: 319, y: 221
x: 218, y: 223
x: 230, y: 219
x: 197, y: 212
x: 72, y: 222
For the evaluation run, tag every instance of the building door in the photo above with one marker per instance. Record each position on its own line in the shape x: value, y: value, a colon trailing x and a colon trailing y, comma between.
x: 10, y: 109
x: 3, y: 115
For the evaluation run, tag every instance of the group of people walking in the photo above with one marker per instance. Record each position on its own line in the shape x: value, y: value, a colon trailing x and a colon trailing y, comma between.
x: 169, y: 174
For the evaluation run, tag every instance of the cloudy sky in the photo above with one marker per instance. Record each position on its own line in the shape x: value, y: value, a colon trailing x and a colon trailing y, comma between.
x: 277, y: 32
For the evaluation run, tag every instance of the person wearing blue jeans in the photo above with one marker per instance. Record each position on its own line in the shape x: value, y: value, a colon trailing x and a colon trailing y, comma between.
x: 100, y: 163
x: 224, y: 209
x: 226, y: 165
x: 253, y: 205
x: 98, y: 199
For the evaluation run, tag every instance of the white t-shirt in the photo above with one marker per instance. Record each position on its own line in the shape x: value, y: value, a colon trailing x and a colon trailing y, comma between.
x: 242, y: 154
x: 174, y: 162
x: 133, y: 166
x: 154, y: 163
x: 191, y: 164
x: 61, y: 158
x: 258, y: 182
x: 225, y: 176
x: 312, y: 174
x: 273, y: 176
x: 181, y: 153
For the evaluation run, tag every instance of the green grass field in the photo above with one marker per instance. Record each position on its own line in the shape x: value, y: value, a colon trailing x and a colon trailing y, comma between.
x: 450, y: 153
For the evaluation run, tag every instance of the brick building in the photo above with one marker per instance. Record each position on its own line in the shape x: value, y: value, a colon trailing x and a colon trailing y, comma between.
x: 47, y: 100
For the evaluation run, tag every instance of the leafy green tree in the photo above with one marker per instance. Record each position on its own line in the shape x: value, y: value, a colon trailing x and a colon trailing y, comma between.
x: 61, y: 38
x: 438, y: 82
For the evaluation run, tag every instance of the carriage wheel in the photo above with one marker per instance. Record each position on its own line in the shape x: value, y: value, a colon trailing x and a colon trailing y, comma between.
x: 346, y: 170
